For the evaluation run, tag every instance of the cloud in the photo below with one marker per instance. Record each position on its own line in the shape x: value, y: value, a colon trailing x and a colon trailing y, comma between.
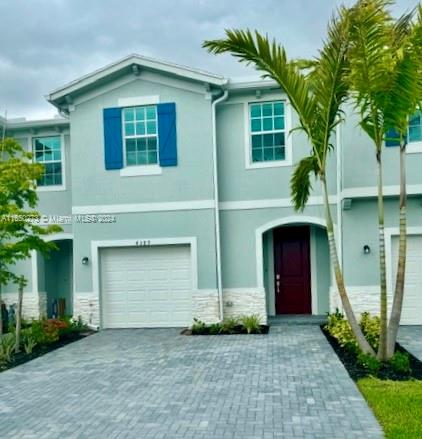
x: 47, y: 43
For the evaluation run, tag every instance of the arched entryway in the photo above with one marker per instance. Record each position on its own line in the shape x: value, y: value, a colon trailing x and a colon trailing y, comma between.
x: 56, y: 278
x: 294, y: 267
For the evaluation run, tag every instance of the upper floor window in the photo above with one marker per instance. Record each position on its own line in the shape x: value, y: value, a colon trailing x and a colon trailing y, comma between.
x: 140, y: 135
x: 48, y: 152
x: 267, y: 131
x: 415, y: 127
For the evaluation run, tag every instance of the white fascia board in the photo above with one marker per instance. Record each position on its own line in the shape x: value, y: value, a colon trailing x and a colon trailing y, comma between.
x: 142, y: 61
x: 38, y: 123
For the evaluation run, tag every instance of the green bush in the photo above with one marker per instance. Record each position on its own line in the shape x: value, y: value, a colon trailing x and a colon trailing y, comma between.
x: 251, y: 323
x: 7, y: 347
x: 371, y: 328
x: 339, y: 328
x: 229, y: 324
x: 400, y: 362
x: 215, y: 328
x: 370, y: 363
x: 198, y: 327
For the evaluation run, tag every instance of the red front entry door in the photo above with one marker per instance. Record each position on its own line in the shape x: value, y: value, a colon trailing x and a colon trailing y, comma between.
x: 292, y: 270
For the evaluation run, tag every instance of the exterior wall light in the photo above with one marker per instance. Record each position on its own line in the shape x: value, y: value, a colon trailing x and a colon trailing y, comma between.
x: 366, y: 249
x: 85, y: 260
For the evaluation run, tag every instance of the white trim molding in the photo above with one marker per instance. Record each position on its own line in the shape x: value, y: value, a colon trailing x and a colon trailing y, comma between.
x: 138, y: 242
x: 271, y: 203
x: 143, y: 207
x: 414, y: 147
x: 371, y: 191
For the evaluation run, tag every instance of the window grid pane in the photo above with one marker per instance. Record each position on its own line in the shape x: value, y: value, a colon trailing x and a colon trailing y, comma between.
x: 141, y: 135
x: 267, y: 125
x: 415, y: 127
x: 47, y: 151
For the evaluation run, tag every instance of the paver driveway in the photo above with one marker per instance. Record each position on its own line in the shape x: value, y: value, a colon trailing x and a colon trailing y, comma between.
x: 149, y: 384
x: 410, y: 337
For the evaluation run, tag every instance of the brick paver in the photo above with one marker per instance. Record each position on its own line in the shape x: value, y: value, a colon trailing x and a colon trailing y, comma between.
x: 410, y: 337
x: 155, y: 384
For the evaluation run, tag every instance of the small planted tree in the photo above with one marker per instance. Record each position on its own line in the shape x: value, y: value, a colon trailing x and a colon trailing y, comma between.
x: 317, y: 97
x: 20, y: 232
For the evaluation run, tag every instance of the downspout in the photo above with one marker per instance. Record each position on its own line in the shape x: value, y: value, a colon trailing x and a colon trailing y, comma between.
x: 222, y: 98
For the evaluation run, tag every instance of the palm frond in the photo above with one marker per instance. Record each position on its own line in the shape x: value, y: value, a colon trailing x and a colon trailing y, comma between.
x: 300, y: 183
x: 270, y: 59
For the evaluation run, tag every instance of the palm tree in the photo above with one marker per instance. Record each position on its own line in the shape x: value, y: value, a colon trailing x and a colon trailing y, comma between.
x: 317, y: 98
x: 406, y: 97
x: 381, y: 65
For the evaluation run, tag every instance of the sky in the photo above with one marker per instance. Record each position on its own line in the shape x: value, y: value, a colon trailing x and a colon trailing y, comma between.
x: 47, y: 43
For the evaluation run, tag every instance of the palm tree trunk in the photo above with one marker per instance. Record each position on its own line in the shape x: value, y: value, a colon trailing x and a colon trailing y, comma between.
x: 396, y: 309
x: 382, y: 348
x: 362, y: 342
x: 19, y: 318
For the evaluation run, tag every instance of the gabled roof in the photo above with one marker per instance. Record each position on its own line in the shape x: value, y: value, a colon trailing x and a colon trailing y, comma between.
x: 134, y: 63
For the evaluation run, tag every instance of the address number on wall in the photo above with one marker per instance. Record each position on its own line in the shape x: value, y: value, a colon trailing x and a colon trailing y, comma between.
x: 143, y: 243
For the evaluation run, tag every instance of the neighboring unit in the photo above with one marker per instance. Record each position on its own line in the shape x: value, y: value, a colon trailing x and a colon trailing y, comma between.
x: 172, y: 186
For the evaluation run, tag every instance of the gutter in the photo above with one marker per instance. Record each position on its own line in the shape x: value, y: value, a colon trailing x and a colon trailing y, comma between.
x: 222, y: 98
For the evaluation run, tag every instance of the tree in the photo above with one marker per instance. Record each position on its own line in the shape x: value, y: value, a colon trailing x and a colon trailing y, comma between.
x: 317, y: 98
x: 20, y: 232
x: 384, y: 81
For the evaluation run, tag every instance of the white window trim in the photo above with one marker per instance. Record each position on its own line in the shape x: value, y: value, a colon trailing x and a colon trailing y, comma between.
x: 414, y: 147
x: 137, y: 101
x: 139, y: 170
x: 135, y: 171
x: 58, y: 187
x: 288, y: 138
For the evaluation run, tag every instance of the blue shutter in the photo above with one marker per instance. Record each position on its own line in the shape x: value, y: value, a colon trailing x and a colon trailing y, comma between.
x: 392, y: 138
x: 113, y: 142
x: 167, y: 138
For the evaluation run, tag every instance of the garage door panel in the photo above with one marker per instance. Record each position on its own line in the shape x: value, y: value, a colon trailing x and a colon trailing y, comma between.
x: 146, y: 287
x: 412, y: 303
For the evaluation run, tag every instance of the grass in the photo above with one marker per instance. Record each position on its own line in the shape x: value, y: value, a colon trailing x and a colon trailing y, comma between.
x: 396, y: 404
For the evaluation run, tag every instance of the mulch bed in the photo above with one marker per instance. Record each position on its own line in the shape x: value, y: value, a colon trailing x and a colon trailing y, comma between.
x: 39, y: 351
x: 237, y: 330
x: 386, y: 372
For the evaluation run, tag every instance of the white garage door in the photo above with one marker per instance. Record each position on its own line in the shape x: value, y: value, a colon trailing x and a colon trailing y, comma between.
x: 412, y: 305
x: 146, y: 287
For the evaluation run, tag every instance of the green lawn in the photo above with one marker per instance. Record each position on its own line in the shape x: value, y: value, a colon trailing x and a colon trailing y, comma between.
x: 397, y: 406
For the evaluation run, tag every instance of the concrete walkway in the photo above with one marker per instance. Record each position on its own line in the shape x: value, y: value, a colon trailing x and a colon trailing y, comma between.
x: 154, y: 384
x: 410, y: 337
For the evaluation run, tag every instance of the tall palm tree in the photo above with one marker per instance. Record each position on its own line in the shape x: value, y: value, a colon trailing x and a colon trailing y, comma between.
x: 381, y: 65
x: 405, y: 99
x: 317, y: 98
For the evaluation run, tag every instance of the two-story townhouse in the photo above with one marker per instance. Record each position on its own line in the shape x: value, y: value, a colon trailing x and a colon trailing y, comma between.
x: 178, y: 183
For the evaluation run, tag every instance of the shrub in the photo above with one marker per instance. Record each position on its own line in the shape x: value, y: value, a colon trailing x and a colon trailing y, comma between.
x: 370, y: 363
x: 47, y: 331
x: 371, y: 328
x: 339, y: 328
x: 229, y: 325
x: 215, y: 328
x: 7, y: 347
x: 251, y: 323
x: 198, y: 327
x: 400, y: 362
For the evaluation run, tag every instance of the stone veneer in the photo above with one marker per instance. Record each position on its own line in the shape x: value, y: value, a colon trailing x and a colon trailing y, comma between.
x: 205, y: 305
x: 32, y: 306
x: 364, y: 298
x: 244, y: 301
x: 86, y: 306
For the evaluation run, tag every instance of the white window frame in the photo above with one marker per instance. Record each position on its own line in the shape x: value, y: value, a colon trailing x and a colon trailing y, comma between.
x: 56, y: 187
x: 413, y: 147
x: 249, y: 164
x: 139, y: 170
